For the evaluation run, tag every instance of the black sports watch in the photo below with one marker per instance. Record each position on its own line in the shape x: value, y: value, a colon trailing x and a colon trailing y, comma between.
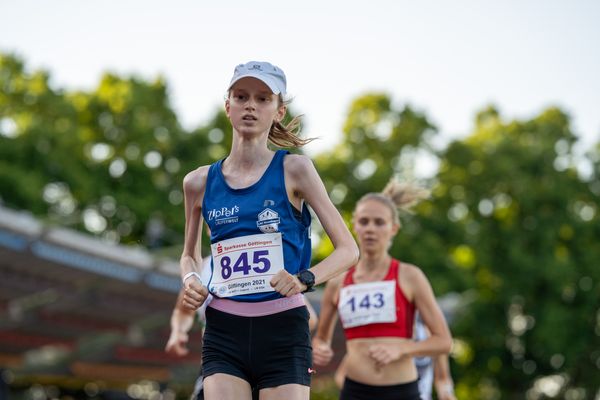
x: 307, y: 278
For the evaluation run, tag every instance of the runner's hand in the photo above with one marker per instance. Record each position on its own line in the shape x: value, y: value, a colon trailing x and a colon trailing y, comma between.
x: 322, y: 352
x: 444, y: 390
x: 383, y: 355
x: 287, y: 284
x: 177, y: 344
x: 194, y: 294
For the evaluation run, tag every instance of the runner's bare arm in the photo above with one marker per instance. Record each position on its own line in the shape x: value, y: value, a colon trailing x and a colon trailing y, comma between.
x: 444, y: 386
x: 440, y: 340
x: 182, y: 319
x: 305, y: 183
x: 322, y: 352
x: 313, y: 318
x: 191, y: 260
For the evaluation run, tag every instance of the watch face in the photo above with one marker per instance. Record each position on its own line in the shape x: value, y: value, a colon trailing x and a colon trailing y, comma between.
x: 307, y: 277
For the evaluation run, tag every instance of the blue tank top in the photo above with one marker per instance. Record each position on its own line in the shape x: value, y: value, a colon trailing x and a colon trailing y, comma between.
x: 260, y: 208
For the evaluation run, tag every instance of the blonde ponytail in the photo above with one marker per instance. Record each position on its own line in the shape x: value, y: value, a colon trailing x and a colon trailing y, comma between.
x: 287, y: 135
x: 398, y: 196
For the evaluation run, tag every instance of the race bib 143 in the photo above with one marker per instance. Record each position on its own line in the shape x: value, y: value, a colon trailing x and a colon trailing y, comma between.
x: 367, y: 303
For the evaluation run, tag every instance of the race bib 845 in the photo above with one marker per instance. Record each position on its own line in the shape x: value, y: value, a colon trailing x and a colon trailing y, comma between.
x: 245, y: 265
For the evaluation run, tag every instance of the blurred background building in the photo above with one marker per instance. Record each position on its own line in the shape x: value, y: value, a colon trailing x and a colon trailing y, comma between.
x: 83, y: 316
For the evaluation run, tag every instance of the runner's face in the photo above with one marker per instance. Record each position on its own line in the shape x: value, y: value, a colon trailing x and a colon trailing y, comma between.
x: 252, y: 107
x: 374, y: 226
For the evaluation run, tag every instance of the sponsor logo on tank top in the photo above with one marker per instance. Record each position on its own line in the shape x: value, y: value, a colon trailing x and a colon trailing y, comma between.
x: 224, y: 215
x: 268, y: 221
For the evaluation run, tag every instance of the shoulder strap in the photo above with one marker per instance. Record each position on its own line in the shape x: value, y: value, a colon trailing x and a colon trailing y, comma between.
x: 348, y: 279
x: 394, y: 270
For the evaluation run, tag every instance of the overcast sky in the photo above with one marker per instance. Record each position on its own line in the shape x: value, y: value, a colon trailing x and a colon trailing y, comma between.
x: 448, y: 59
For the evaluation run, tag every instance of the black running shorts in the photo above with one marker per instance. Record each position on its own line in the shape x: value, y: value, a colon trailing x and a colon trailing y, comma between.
x: 353, y: 390
x: 266, y: 351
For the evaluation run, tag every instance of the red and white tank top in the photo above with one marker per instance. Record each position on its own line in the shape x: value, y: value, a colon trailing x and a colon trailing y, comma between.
x: 375, y: 309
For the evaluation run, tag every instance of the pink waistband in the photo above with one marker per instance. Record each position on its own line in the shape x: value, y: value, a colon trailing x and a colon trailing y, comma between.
x: 258, y: 309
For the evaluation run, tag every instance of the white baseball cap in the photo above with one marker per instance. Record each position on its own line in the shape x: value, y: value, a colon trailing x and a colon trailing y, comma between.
x: 271, y: 75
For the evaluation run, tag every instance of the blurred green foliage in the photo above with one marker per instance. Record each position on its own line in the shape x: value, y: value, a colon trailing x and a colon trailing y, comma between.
x: 512, y: 224
x: 110, y: 161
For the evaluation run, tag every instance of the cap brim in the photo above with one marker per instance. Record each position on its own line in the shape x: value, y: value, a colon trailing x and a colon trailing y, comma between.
x: 265, y: 79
